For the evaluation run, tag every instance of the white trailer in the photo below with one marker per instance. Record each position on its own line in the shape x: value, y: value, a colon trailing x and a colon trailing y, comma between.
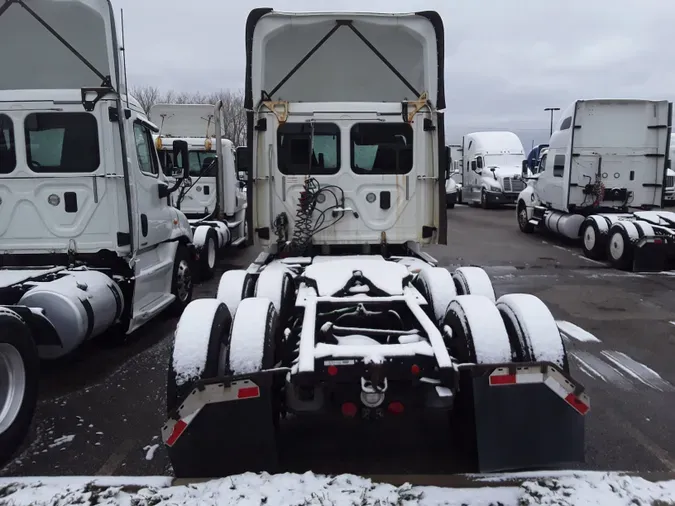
x: 88, y: 239
x: 343, y: 315
x: 212, y: 198
x: 603, y: 180
x: 669, y: 195
x: 492, y: 168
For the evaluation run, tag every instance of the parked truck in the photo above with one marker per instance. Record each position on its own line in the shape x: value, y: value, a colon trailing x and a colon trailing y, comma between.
x: 453, y: 186
x: 212, y: 198
x: 492, y: 168
x: 353, y: 319
x: 88, y: 240
x: 603, y: 180
x: 669, y: 196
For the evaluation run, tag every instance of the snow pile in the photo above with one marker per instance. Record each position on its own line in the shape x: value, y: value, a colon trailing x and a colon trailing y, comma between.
x: 332, y: 276
x: 572, y: 331
x: 583, y: 489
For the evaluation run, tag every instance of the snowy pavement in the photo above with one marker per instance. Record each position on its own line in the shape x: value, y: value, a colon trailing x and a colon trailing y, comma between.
x: 101, y: 412
x: 583, y: 489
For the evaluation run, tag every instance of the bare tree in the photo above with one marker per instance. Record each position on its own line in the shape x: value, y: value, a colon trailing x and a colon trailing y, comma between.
x: 147, y: 96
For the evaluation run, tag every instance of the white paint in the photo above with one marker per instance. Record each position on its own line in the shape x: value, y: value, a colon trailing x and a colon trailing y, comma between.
x: 639, y: 371
x: 599, y: 368
x: 571, y: 331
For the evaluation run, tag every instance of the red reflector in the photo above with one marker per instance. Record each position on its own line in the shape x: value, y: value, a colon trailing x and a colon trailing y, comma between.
x: 574, y: 401
x: 658, y: 241
x: 248, y: 393
x: 332, y: 370
x: 349, y: 409
x: 178, y: 429
x: 396, y: 408
x: 415, y: 369
x: 506, y: 379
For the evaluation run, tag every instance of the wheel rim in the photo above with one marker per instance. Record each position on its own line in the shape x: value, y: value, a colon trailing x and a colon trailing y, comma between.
x: 616, y: 246
x: 522, y: 217
x: 211, y: 253
x: 12, y: 385
x: 183, y: 281
x: 589, y: 238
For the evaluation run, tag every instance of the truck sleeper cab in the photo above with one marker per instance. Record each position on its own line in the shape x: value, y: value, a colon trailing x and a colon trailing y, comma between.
x: 492, y: 168
x: 212, y: 198
x: 605, y: 183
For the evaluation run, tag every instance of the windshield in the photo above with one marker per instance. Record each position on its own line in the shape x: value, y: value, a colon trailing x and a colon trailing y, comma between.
x: 198, y: 160
x: 7, y: 151
x: 504, y: 160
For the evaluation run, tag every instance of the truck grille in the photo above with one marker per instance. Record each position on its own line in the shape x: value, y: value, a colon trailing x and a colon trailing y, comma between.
x: 513, y: 185
x: 670, y: 181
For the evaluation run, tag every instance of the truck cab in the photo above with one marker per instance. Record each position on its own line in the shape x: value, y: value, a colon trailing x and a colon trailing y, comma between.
x: 669, y: 195
x: 337, y: 162
x: 492, y: 168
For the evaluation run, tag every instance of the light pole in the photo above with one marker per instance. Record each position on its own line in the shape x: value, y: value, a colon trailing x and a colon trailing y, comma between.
x: 552, y: 109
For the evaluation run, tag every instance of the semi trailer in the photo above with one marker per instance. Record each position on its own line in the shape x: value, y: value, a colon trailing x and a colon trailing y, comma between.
x: 492, y: 168
x: 89, y: 244
x: 344, y: 315
x: 603, y: 179
x: 212, y: 198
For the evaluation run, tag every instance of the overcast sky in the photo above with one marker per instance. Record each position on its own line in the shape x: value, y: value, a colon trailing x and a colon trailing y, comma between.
x: 505, y: 59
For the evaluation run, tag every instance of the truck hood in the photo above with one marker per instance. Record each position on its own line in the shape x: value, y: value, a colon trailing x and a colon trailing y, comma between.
x: 502, y: 172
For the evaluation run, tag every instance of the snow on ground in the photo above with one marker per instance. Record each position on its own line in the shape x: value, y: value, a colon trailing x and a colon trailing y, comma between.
x: 564, y: 489
x: 574, y: 332
x: 150, y: 451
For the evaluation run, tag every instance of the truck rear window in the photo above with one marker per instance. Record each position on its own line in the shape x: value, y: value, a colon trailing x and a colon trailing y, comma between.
x: 62, y: 142
x: 381, y: 148
x: 308, y: 149
x: 7, y: 153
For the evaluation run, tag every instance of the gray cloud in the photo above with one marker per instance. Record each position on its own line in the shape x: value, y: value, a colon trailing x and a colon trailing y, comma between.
x: 505, y: 60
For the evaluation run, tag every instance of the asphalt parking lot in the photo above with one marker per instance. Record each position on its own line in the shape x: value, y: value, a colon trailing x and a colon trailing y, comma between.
x: 100, y: 413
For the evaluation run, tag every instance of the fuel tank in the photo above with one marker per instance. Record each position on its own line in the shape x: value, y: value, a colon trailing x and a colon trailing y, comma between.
x: 568, y: 225
x: 80, y: 304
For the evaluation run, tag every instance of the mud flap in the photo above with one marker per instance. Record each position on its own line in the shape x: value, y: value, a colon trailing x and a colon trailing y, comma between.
x: 650, y: 257
x: 224, y: 430
x: 525, y: 426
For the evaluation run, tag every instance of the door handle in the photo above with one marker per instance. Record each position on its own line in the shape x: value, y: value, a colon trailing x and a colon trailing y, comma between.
x: 144, y: 225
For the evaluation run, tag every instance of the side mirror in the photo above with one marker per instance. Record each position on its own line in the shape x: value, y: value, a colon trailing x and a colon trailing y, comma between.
x: 180, y: 148
x: 243, y: 157
x: 473, y: 165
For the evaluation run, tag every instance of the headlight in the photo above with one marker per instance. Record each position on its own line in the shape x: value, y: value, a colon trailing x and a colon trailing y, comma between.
x: 494, y: 188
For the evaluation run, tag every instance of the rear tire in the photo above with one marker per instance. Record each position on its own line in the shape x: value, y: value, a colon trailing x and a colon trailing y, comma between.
x: 620, y: 247
x: 593, y: 241
x: 235, y: 286
x: 19, y: 379
x: 198, y: 352
x: 438, y: 288
x: 208, y: 251
x: 532, y: 330
x: 473, y: 281
x: 276, y: 284
x: 182, y: 281
x: 478, y: 336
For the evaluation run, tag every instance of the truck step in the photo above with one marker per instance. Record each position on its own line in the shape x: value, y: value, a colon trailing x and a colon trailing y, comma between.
x: 234, y: 224
x: 534, y: 222
x: 238, y: 241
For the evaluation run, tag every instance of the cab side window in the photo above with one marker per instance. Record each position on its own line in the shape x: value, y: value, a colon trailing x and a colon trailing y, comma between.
x: 479, y: 162
x: 145, y: 150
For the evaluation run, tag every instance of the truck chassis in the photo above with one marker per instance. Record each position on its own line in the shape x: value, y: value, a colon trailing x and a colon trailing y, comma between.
x: 368, y: 337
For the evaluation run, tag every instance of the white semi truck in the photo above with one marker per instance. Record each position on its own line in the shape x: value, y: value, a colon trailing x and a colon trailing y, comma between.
x: 492, y: 168
x: 88, y: 239
x: 669, y: 196
x: 344, y: 316
x: 212, y: 198
x: 603, y: 180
